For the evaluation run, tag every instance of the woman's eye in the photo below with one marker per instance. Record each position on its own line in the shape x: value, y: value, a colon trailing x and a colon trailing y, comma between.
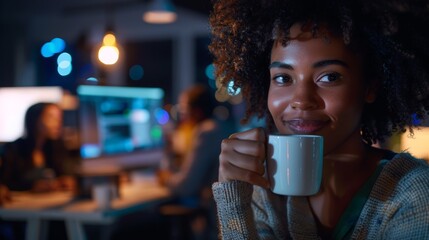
x: 330, y: 77
x: 282, y: 79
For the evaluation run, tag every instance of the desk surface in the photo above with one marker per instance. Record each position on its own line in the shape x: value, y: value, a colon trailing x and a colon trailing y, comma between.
x: 62, y: 205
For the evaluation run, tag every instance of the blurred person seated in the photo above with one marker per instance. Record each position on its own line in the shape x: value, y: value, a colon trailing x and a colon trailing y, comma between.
x: 36, y: 161
x: 192, y: 159
x: 189, y: 168
x: 193, y: 149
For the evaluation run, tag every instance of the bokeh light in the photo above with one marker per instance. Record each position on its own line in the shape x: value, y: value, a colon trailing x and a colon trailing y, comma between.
x: 210, y: 71
x: 64, y: 57
x: 136, y: 72
x: 140, y: 116
x: 108, y: 55
x: 161, y: 116
x: 64, y: 64
x: 59, y: 45
x: 109, y: 52
x: 231, y: 90
x: 92, y: 79
x: 64, y: 71
x: 156, y: 132
x: 47, y: 50
x: 52, y: 47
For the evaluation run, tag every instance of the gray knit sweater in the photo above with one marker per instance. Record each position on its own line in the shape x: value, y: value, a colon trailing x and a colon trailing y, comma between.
x: 397, y: 208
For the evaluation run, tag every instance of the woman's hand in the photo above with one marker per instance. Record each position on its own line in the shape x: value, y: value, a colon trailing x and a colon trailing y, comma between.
x: 243, y: 156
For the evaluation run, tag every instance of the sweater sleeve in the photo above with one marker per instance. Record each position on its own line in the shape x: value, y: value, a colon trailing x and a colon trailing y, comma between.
x: 233, y: 200
x: 245, y: 212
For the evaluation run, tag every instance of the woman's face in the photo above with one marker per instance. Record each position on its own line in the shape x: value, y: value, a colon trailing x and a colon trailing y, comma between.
x: 51, y: 122
x: 317, y: 87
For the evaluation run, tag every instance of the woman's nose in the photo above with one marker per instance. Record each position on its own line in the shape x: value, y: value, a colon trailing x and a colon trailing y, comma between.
x: 305, y: 97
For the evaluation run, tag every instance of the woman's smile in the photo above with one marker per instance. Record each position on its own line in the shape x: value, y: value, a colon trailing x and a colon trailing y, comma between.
x: 303, y: 126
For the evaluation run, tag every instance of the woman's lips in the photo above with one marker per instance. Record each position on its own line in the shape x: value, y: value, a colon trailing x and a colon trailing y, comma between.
x: 301, y: 126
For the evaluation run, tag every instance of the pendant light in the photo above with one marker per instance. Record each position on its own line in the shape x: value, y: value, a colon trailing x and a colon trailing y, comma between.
x: 160, y: 12
x: 108, y: 53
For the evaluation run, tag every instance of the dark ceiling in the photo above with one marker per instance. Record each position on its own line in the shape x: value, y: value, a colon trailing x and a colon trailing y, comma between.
x: 16, y: 8
x: 201, y: 6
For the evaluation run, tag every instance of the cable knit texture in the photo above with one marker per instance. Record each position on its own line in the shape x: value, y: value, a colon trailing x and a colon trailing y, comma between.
x: 397, y: 208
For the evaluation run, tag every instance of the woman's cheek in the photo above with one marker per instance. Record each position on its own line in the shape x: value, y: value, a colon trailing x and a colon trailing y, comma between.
x: 277, y: 102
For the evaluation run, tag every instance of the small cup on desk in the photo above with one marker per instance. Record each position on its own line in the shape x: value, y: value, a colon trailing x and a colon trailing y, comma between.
x: 103, y: 195
x: 295, y: 164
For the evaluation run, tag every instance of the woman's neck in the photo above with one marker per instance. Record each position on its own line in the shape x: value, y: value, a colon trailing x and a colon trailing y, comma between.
x: 344, y: 172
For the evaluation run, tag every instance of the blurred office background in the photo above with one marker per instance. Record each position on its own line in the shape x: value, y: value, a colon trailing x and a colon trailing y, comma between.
x: 56, y: 43
x: 170, y: 55
x: 53, y: 45
x: 50, y: 43
x: 49, y: 52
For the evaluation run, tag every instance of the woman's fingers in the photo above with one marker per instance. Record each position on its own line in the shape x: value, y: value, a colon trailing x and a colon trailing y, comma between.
x: 236, y: 173
x: 242, y: 157
x: 244, y: 154
x: 257, y: 134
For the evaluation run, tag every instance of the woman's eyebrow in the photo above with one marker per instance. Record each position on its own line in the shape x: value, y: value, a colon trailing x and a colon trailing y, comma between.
x: 322, y: 63
x: 280, y: 65
x: 330, y: 62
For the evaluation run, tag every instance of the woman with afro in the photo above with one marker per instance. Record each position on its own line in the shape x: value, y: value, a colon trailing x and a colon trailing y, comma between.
x: 354, y: 72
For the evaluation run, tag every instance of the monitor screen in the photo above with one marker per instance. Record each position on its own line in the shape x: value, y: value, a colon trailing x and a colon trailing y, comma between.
x: 120, y: 120
x: 14, y: 102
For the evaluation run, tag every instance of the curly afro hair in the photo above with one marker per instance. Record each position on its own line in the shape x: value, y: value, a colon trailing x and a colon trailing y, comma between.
x: 393, y: 35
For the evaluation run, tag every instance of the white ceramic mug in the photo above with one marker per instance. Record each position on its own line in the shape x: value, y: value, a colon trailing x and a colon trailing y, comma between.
x: 103, y: 195
x: 295, y: 164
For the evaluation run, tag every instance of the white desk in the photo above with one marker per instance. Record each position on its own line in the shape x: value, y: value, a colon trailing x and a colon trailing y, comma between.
x: 37, y: 208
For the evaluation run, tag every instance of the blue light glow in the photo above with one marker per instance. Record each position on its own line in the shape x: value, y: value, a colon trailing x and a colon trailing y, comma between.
x: 47, y: 50
x: 92, y: 79
x: 90, y: 150
x: 64, y: 57
x: 130, y: 92
x: 64, y: 64
x: 64, y: 71
x: 58, y: 44
x: 231, y: 90
x: 210, y: 71
x: 161, y: 116
x: 136, y: 72
x: 416, y: 119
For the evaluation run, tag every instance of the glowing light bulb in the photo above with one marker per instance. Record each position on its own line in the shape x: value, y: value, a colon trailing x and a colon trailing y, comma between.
x: 109, y: 52
x: 160, y: 12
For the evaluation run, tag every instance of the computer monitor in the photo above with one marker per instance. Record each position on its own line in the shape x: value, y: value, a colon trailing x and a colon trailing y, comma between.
x: 121, y: 126
x: 14, y: 102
